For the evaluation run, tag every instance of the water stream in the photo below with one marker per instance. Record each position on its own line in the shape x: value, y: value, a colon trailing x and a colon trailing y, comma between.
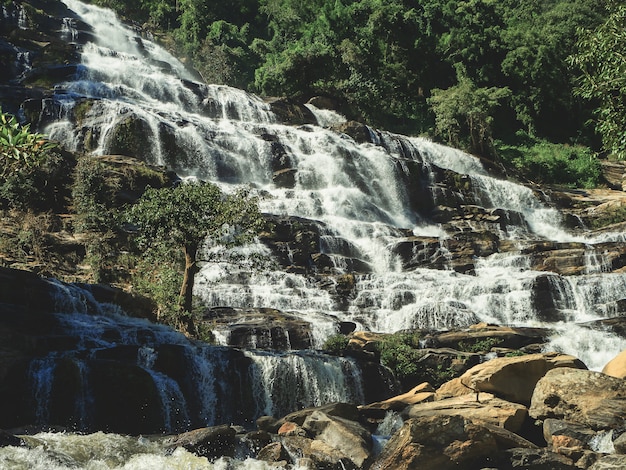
x: 360, y: 196
x: 356, y: 192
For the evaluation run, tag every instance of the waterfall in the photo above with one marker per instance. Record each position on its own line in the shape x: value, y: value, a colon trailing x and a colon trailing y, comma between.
x: 361, y: 200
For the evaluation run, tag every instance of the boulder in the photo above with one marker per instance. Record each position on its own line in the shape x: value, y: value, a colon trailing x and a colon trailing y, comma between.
x: 485, y: 334
x: 620, y: 444
x: 349, y: 437
x: 553, y: 428
x: 291, y: 112
x: 592, y: 399
x: 616, y: 367
x: 488, y: 409
x: 273, y: 453
x: 421, y: 393
x: 291, y: 429
x: 341, y: 410
x: 534, y: 459
x: 437, y: 443
x: 511, y: 378
x: 610, y: 462
x: 8, y: 439
x: 212, y: 442
x: 321, y: 455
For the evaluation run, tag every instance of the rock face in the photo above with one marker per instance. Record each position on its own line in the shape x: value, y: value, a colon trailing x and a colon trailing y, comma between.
x: 437, y: 443
x: 593, y: 399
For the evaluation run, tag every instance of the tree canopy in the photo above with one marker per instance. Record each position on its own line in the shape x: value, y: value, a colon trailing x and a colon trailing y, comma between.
x: 384, y: 58
x: 188, y: 215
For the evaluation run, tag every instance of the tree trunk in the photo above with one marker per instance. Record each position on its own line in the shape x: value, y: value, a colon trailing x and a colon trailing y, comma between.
x: 186, y: 291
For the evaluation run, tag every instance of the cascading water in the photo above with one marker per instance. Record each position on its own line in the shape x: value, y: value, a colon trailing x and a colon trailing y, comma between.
x: 361, y: 195
x: 359, y: 202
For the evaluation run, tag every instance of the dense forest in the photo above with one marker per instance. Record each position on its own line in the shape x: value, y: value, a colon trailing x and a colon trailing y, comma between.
x: 516, y: 80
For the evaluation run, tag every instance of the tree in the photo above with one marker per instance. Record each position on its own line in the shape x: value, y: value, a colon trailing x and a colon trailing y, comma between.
x: 466, y: 110
x: 602, y: 64
x: 186, y: 216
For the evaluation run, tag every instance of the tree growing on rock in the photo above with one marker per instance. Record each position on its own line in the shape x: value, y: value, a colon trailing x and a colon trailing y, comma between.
x: 188, y: 215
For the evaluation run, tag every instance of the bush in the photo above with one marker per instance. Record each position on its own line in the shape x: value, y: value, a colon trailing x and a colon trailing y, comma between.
x: 33, y: 169
x: 548, y: 163
x: 93, y: 196
x: 398, y: 352
x: 336, y: 344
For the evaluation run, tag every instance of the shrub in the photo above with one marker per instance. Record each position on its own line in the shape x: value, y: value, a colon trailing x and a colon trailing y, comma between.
x: 549, y: 163
x: 336, y: 344
x: 398, y: 352
x: 33, y: 169
x: 93, y: 196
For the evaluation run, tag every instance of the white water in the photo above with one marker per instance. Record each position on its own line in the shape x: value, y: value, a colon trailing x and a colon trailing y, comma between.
x: 357, y: 191
x: 100, y: 451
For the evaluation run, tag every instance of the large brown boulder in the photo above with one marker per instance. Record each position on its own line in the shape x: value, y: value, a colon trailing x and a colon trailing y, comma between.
x: 423, y: 392
x: 349, y: 437
x: 321, y: 455
x: 510, y: 378
x: 488, y: 409
x: 616, y: 367
x: 593, y: 399
x: 437, y: 443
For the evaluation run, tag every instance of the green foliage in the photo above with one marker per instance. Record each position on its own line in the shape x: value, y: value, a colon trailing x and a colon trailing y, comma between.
x: 189, y: 213
x: 336, y: 344
x: 185, y: 217
x: 157, y: 276
x: 479, y: 346
x: 548, y: 163
x: 19, y: 147
x: 399, y: 352
x: 602, y: 64
x: 32, y: 168
x: 466, y: 110
x: 93, y: 194
x: 385, y: 58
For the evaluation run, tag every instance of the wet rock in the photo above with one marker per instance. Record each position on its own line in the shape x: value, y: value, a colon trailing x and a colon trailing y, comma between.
x: 437, y: 443
x: 268, y: 423
x: 125, y: 398
x: 511, y: 378
x: 273, y: 453
x: 213, y: 442
x: 291, y: 112
x: 610, y: 462
x: 285, y: 178
x: 557, y: 427
x: 349, y: 437
x: 616, y: 367
x: 261, y: 328
x: 482, y: 337
x: 593, y: 399
x: 615, y: 325
x: 534, y: 459
x: 359, y: 132
x: 8, y: 439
